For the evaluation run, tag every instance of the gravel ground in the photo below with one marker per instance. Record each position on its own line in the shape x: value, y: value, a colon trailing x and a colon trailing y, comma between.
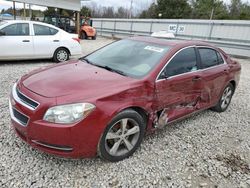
x: 205, y: 150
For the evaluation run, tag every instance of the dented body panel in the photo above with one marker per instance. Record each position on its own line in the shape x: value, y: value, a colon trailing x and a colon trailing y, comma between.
x: 161, y: 101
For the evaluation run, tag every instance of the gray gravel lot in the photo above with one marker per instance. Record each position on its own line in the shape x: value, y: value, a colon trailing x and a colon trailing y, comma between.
x: 205, y: 150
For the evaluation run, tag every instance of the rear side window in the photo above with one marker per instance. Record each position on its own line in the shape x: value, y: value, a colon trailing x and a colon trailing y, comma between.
x: 210, y: 57
x: 44, y: 30
x: 220, y: 59
x: 19, y: 29
x: 185, y: 61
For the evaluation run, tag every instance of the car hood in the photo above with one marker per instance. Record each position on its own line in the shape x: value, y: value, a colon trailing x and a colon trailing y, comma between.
x: 73, y: 78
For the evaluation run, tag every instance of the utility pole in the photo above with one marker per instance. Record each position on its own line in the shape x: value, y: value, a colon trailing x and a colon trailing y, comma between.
x: 24, y: 11
x: 212, y: 12
x: 14, y: 9
x: 131, y: 9
x: 30, y: 12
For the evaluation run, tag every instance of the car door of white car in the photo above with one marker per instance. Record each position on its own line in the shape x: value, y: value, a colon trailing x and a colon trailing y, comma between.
x: 16, y: 42
x: 46, y: 40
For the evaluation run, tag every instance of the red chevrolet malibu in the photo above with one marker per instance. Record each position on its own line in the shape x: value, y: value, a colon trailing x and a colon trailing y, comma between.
x: 104, y: 103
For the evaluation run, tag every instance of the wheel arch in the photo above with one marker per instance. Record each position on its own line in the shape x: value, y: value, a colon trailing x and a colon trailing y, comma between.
x: 62, y: 47
x: 233, y: 82
x: 141, y: 111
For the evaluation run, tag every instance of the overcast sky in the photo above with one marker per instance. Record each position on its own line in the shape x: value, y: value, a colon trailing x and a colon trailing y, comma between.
x: 137, y: 4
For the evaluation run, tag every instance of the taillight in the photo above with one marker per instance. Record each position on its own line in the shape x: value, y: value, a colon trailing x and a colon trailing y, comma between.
x: 77, y: 40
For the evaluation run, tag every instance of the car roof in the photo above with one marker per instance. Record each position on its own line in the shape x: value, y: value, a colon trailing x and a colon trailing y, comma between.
x: 171, y: 42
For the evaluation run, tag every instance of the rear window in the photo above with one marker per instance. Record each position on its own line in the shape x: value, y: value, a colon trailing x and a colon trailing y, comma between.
x: 44, y: 30
x: 209, y: 57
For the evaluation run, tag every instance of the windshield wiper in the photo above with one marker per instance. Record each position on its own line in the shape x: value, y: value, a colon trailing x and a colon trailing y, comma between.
x: 111, y: 69
x: 86, y: 60
x: 103, y: 66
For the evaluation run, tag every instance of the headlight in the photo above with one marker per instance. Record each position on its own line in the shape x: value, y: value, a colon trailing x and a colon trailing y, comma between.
x: 67, y: 114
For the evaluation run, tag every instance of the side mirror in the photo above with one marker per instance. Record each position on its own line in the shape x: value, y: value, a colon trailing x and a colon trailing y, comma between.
x: 2, y: 33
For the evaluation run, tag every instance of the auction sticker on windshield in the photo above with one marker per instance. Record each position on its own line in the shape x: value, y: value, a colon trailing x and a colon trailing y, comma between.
x: 154, y: 48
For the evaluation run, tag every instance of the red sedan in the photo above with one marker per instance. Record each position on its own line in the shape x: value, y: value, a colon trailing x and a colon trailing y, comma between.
x: 105, y: 102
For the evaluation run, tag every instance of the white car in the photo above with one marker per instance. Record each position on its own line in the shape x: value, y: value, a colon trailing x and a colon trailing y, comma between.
x: 21, y: 40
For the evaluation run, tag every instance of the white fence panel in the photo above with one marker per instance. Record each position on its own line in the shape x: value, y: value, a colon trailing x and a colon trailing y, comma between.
x: 232, y: 35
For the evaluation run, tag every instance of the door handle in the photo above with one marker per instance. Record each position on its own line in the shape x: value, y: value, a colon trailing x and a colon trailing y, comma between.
x: 26, y: 40
x: 196, y: 78
x: 56, y: 41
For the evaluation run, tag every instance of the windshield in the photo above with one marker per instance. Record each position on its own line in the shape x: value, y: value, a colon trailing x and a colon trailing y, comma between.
x: 131, y: 58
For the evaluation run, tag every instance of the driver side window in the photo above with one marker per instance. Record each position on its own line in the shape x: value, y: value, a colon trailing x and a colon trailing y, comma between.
x: 185, y: 61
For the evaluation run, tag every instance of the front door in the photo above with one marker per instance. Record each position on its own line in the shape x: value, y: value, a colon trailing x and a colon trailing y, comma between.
x: 17, y: 43
x: 179, y: 86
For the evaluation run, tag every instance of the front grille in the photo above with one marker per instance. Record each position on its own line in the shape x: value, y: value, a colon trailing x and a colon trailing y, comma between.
x: 21, y: 118
x: 26, y: 100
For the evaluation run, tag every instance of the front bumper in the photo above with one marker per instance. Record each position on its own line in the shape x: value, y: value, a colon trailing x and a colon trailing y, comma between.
x: 74, y: 141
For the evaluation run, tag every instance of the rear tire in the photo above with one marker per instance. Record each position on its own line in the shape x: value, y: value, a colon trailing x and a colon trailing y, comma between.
x: 122, y: 136
x: 94, y: 37
x: 225, y: 99
x: 61, y: 55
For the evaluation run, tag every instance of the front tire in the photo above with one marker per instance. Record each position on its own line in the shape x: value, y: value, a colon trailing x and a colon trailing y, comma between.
x: 225, y: 99
x: 61, y: 55
x: 122, y: 136
x: 84, y: 36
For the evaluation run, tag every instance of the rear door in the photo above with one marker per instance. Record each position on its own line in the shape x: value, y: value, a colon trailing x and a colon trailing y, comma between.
x: 179, y: 85
x: 17, y: 43
x: 214, y: 72
x: 46, y: 40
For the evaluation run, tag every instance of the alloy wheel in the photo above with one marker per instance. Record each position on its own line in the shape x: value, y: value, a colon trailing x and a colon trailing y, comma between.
x: 226, y: 97
x: 122, y: 137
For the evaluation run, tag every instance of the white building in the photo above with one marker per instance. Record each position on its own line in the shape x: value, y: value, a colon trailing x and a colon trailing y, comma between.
x: 63, y: 4
x: 74, y: 5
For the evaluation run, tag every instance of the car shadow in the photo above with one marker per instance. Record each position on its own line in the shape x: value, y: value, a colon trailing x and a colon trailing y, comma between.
x: 44, y: 61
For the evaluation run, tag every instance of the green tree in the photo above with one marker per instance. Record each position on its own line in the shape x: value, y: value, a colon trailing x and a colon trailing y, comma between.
x: 68, y: 13
x: 245, y: 12
x: 235, y: 9
x: 150, y: 13
x: 202, y: 9
x: 239, y: 10
x: 85, y: 11
x: 50, y: 11
x: 121, y: 13
x: 174, y: 9
x: 108, y: 12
